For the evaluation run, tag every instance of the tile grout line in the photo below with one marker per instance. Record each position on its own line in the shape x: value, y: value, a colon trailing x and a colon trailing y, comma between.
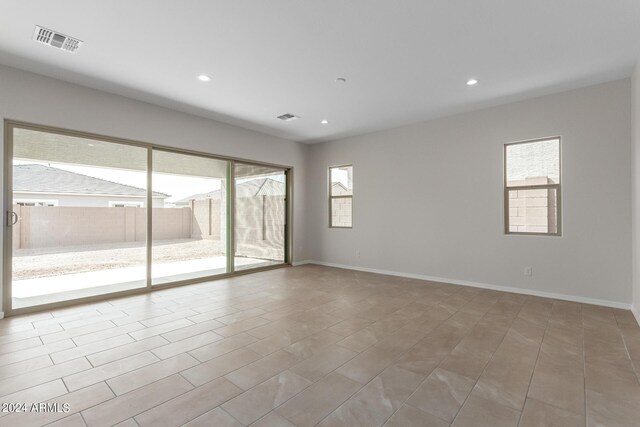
x: 626, y: 349
x: 404, y: 402
x: 526, y: 395
x: 427, y: 376
x: 363, y: 286
x: 222, y: 409
x: 194, y: 387
x: 490, y: 359
x: 553, y: 404
x: 405, y: 352
x: 329, y: 373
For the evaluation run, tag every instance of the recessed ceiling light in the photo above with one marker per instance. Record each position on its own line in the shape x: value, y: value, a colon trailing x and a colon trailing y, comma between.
x: 341, y: 80
x: 472, y: 82
x: 325, y: 122
x: 204, y: 78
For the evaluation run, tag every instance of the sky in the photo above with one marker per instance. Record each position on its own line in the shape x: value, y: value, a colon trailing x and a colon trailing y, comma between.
x: 341, y: 176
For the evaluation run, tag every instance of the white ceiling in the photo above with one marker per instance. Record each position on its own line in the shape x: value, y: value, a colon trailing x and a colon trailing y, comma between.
x: 405, y: 60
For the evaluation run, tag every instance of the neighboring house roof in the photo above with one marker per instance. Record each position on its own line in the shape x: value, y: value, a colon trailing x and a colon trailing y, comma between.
x: 338, y: 189
x: 261, y: 187
x: 252, y: 188
x: 47, y: 179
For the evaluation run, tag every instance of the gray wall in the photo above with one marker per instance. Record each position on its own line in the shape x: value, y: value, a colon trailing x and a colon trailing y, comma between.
x: 42, y: 100
x: 635, y: 94
x: 428, y: 198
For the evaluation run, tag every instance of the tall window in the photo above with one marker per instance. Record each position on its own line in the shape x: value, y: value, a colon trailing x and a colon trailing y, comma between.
x: 341, y: 197
x: 89, y: 216
x: 532, y: 187
x: 68, y: 239
x: 260, y: 216
x: 189, y: 228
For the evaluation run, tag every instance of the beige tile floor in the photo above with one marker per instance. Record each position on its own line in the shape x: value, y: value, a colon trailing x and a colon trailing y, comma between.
x: 313, y: 345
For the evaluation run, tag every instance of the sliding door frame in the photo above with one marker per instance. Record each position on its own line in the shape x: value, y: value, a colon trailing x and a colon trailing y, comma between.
x: 7, y: 244
x: 149, y: 236
x: 7, y: 257
x: 231, y: 216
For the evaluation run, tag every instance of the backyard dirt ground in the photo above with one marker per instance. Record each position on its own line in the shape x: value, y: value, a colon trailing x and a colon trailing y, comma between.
x: 49, y: 262
x: 35, y: 263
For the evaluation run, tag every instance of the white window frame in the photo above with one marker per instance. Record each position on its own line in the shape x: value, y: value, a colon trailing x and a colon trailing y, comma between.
x: 331, y: 197
x: 556, y: 187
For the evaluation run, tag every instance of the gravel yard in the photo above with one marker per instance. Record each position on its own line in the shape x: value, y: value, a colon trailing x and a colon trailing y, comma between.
x: 35, y: 263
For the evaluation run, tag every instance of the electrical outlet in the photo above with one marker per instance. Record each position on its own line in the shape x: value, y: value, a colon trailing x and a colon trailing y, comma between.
x: 528, y: 271
x: 357, y: 253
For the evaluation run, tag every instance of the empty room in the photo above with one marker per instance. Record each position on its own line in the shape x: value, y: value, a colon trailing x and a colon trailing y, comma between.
x: 320, y: 213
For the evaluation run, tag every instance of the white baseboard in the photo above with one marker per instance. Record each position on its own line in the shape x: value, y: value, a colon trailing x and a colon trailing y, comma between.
x: 532, y: 292
x: 303, y: 262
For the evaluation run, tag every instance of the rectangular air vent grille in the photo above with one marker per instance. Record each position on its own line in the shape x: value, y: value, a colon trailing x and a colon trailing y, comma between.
x: 71, y: 44
x: 57, y: 40
x: 288, y: 117
x: 43, y: 35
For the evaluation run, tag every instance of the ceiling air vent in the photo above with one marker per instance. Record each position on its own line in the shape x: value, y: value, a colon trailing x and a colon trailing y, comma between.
x: 57, y: 40
x: 288, y: 117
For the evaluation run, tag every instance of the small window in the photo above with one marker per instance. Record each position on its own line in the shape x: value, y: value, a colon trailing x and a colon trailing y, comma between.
x: 28, y: 202
x: 532, y: 187
x: 126, y: 204
x: 341, y: 197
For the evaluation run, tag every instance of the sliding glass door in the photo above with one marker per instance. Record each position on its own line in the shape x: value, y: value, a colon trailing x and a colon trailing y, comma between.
x: 260, y: 216
x: 190, y: 227
x: 87, y: 216
x: 77, y: 216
